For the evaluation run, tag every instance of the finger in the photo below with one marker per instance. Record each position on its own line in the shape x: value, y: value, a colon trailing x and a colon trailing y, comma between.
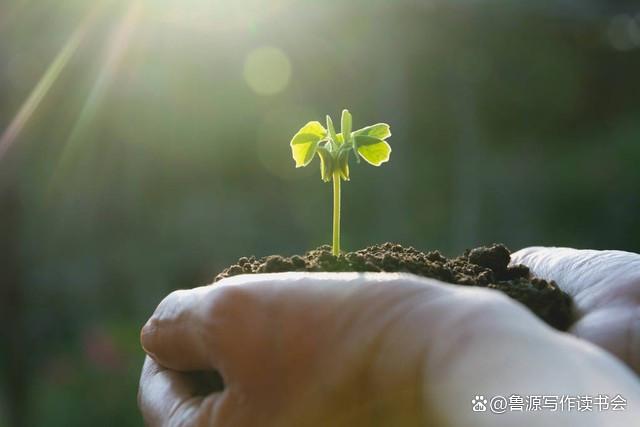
x: 503, y: 350
x: 591, y: 277
x: 605, y: 286
x: 220, y: 326
x: 167, y: 397
x: 215, y: 327
x: 522, y: 357
x: 178, y: 335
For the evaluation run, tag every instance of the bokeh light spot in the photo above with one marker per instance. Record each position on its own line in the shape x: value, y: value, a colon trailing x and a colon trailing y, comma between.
x: 623, y: 33
x: 267, y: 70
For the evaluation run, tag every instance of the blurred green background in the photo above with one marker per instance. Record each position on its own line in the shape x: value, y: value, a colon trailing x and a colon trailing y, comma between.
x: 144, y: 146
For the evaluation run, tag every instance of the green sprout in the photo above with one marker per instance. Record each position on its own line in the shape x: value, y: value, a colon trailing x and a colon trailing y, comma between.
x: 334, y: 150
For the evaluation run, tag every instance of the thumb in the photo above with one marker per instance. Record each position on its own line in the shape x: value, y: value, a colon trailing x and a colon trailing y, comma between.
x: 605, y: 286
x: 180, y: 334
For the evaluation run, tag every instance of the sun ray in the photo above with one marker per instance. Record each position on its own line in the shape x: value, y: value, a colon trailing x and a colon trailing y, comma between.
x: 39, y: 91
x: 116, y: 48
x: 50, y: 76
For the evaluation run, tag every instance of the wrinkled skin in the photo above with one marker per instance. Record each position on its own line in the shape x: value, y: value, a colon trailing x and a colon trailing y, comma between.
x: 348, y: 349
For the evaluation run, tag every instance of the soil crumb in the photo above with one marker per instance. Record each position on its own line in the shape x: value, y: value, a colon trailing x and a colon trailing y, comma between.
x: 486, y: 266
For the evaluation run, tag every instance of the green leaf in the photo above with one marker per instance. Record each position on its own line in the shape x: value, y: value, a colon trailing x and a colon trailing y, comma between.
x: 379, y: 130
x: 343, y: 165
x: 345, y: 127
x: 305, y: 143
x: 374, y: 150
x: 332, y: 130
x: 326, y: 164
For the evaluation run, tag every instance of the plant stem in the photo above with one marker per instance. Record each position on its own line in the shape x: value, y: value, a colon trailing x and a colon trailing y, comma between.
x: 336, y: 213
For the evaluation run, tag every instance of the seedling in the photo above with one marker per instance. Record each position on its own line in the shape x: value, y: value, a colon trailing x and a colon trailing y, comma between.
x: 334, y: 151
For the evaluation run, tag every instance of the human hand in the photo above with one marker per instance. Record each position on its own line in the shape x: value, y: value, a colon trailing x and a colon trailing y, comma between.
x: 605, y: 287
x: 352, y: 349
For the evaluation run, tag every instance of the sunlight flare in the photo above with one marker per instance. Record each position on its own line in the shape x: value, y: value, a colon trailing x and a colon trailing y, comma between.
x: 43, y: 86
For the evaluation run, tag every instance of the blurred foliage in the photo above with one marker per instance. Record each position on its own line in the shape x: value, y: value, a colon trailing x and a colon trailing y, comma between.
x: 159, y: 153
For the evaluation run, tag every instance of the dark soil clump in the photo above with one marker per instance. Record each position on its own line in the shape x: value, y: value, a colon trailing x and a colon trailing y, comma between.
x: 486, y: 266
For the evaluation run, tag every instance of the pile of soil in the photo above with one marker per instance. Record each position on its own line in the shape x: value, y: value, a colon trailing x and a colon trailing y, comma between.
x: 486, y: 266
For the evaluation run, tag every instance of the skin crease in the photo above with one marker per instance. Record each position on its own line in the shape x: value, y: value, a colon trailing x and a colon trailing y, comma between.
x: 349, y: 349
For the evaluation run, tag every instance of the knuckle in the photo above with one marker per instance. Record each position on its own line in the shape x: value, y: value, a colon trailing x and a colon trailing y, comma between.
x: 166, y: 311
